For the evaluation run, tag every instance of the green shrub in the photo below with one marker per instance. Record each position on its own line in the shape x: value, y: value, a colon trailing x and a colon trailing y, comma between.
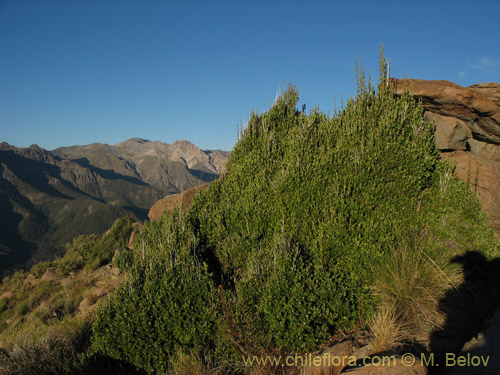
x: 168, y: 302
x: 308, y: 203
x: 124, y: 260
x: 293, y: 235
x: 90, y: 252
x: 39, y: 269
x: 78, y: 253
x: 117, y: 237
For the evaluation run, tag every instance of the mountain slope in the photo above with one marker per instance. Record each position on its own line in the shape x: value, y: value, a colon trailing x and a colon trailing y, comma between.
x: 49, y: 197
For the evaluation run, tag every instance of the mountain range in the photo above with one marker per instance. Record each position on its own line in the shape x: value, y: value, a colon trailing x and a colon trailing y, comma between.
x: 49, y: 197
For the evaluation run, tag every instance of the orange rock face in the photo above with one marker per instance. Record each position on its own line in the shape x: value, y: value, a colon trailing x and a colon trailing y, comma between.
x: 467, y: 131
x: 170, y: 202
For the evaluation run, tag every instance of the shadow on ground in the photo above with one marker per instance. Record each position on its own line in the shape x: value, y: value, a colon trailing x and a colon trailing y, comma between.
x: 467, y: 308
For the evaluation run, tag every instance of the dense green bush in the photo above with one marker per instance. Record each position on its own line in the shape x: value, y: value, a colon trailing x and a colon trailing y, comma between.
x: 78, y: 254
x: 279, y: 254
x: 124, y: 260
x: 169, y: 302
x: 308, y: 202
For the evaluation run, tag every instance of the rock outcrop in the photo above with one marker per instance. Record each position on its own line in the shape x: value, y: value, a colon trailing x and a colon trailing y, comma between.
x: 170, y: 202
x: 342, y: 358
x: 467, y: 131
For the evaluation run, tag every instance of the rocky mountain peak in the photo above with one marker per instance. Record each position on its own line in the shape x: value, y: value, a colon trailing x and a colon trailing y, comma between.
x: 182, y: 142
x: 132, y: 141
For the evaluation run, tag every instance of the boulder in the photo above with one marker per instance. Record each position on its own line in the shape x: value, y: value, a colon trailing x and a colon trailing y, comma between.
x: 50, y: 274
x: 331, y: 361
x: 170, y: 202
x: 392, y: 365
x: 451, y: 133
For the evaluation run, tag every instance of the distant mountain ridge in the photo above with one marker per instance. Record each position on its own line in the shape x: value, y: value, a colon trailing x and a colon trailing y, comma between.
x: 49, y: 197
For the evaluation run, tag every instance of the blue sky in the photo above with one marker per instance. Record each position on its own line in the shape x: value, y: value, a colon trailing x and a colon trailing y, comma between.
x: 78, y: 72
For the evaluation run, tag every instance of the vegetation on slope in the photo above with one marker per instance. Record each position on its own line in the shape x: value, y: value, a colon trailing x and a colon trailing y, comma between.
x: 284, y: 251
x: 46, y: 313
x: 169, y: 302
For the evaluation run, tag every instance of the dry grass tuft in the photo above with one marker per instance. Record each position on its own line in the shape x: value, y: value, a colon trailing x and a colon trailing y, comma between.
x: 410, y: 285
x: 191, y: 364
x: 53, y: 353
x: 387, y: 331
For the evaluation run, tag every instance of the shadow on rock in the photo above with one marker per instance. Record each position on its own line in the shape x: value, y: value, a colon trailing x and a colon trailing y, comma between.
x: 467, y: 308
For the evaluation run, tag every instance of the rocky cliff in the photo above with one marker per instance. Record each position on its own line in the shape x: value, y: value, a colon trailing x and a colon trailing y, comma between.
x: 467, y: 130
x: 49, y: 197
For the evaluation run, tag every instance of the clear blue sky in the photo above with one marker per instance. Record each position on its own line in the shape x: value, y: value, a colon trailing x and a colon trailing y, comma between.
x: 83, y: 71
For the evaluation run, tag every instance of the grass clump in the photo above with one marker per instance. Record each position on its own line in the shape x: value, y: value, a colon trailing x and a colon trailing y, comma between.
x: 387, y: 329
x: 191, y: 364
x: 54, y: 353
x: 410, y: 285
